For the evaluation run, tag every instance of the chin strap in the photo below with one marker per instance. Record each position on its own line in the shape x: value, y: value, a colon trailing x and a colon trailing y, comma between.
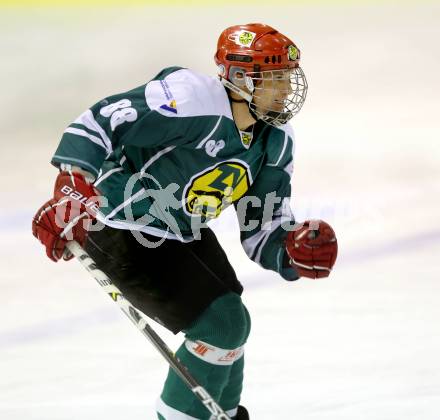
x: 246, y: 96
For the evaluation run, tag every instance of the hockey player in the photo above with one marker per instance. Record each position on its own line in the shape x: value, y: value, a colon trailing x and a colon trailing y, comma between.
x: 153, y: 165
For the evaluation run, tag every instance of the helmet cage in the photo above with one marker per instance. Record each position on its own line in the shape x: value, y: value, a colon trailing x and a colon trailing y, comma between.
x: 282, y: 101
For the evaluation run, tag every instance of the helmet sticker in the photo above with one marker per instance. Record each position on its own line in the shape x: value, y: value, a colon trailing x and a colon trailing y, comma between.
x: 292, y: 53
x: 243, y: 38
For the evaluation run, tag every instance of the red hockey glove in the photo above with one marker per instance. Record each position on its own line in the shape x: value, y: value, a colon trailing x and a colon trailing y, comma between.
x: 312, y: 249
x: 67, y: 216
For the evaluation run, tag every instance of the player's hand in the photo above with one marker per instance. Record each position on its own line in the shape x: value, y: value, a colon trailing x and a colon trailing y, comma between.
x: 312, y: 249
x: 67, y: 216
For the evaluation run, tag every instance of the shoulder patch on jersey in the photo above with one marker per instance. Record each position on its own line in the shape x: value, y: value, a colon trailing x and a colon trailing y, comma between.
x: 185, y: 93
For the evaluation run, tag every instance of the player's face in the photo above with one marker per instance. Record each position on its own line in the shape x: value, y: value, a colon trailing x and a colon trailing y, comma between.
x: 272, y: 90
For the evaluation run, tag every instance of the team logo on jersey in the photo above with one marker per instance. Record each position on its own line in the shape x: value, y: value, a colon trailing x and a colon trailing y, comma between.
x: 172, y: 107
x: 211, y: 191
x: 243, y: 38
x: 246, y: 138
x: 292, y: 53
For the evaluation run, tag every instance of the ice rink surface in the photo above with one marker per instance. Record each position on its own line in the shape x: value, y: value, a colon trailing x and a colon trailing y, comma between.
x: 362, y: 345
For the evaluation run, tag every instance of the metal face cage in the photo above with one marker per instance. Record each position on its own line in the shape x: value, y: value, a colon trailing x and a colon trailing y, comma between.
x: 277, y: 95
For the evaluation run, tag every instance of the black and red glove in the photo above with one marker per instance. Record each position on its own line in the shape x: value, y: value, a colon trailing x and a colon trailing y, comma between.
x: 67, y: 216
x: 312, y: 249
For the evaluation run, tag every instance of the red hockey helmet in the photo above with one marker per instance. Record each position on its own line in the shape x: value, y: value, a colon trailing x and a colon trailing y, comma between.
x: 255, y: 47
x: 248, y: 56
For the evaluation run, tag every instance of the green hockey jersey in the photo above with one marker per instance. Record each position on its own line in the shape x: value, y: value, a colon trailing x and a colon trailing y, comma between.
x: 168, y: 157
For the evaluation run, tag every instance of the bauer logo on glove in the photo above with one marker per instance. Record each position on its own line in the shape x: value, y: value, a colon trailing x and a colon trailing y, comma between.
x: 312, y: 249
x: 83, y: 199
x: 67, y: 216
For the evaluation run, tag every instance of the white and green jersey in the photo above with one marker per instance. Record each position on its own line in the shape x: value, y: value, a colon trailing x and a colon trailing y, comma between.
x: 168, y: 157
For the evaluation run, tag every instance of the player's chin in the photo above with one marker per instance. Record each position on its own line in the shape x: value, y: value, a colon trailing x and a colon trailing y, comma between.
x: 278, y: 106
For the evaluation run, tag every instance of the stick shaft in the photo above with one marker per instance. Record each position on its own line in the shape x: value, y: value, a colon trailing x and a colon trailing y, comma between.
x: 135, y: 316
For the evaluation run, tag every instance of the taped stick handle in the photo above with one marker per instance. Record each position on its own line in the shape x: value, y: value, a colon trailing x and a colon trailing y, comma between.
x: 136, y: 317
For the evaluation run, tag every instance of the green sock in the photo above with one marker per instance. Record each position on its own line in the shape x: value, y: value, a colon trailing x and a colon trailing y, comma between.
x: 213, y: 355
x: 231, y: 393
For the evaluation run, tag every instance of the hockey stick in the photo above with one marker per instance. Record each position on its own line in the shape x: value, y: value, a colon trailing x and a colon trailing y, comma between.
x: 140, y: 322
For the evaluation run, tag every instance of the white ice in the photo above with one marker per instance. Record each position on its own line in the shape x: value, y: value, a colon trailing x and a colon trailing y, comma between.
x: 361, y: 345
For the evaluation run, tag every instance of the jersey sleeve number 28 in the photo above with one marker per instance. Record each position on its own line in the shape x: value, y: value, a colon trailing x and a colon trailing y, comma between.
x: 119, y: 112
